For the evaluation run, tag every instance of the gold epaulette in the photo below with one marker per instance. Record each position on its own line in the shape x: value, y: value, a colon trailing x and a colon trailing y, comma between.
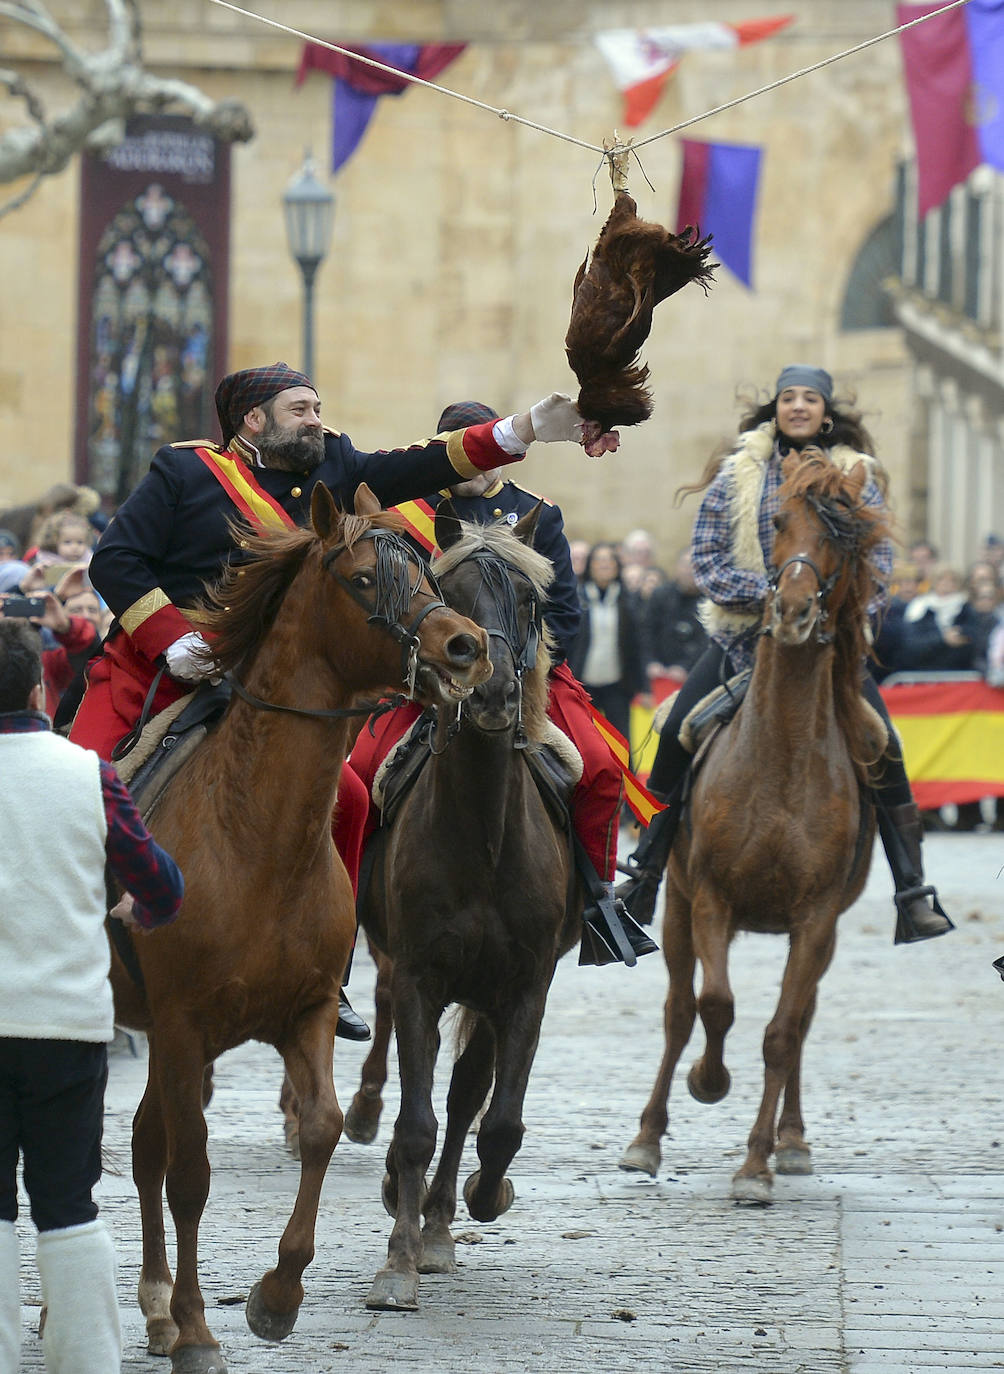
x: 535, y: 494
x: 196, y: 443
x: 337, y: 433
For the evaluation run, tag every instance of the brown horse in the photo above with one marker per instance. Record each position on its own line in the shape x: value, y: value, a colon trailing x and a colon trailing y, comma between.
x: 795, y: 854
x: 316, y: 617
x: 473, y: 900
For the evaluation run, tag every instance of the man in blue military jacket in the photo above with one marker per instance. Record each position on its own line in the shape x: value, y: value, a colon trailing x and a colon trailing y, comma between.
x: 173, y: 535
x: 484, y: 498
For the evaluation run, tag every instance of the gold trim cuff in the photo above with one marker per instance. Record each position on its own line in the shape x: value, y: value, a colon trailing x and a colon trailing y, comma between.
x: 143, y: 609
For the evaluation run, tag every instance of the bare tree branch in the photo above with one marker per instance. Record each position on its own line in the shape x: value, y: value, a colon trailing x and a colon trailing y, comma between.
x: 113, y: 85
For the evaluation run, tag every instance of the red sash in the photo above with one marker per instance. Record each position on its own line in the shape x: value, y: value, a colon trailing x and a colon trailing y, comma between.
x: 420, y: 522
x: 237, y: 480
x: 638, y: 797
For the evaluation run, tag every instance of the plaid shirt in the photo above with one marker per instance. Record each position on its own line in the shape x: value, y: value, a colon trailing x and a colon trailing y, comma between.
x: 134, y: 856
x: 739, y: 589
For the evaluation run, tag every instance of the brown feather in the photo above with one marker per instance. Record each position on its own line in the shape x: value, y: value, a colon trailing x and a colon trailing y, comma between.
x: 634, y: 265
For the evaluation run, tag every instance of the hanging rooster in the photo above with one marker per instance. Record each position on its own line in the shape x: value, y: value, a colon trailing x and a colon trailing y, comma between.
x: 634, y: 265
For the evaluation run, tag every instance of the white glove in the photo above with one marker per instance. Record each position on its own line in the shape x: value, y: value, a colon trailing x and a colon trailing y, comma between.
x: 191, y: 659
x: 555, y: 419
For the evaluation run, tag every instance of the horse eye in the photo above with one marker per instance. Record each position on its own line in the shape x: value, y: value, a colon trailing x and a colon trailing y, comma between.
x: 362, y: 580
x: 778, y: 522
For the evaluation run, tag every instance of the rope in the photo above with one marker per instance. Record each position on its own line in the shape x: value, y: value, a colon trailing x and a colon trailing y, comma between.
x: 793, y: 76
x: 407, y: 76
x: 607, y: 153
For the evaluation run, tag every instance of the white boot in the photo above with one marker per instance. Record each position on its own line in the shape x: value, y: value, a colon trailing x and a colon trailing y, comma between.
x: 77, y: 1269
x: 10, y: 1300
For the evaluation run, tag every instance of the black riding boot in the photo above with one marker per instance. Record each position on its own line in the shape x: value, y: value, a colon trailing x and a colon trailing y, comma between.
x: 610, y: 934
x: 902, y: 833
x: 648, y: 863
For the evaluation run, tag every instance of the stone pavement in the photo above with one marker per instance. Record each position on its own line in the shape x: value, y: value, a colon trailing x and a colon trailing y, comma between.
x: 890, y: 1258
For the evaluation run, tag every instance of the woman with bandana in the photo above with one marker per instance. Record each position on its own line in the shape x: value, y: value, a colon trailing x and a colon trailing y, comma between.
x: 731, y: 548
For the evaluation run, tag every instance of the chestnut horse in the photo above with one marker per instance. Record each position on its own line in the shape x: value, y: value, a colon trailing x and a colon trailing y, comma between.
x: 794, y: 853
x: 315, y: 617
x: 473, y: 899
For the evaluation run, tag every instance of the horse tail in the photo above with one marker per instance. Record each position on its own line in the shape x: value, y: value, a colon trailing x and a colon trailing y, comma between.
x: 465, y: 1026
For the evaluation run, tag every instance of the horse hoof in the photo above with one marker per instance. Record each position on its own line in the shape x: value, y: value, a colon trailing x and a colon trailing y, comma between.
x: 438, y: 1253
x: 291, y: 1130
x: 793, y: 1159
x: 701, y: 1093
x: 505, y: 1197
x: 393, y: 1291
x: 361, y: 1120
x: 753, y: 1188
x: 161, y: 1334
x: 266, y: 1325
x: 198, y: 1359
x: 639, y: 1158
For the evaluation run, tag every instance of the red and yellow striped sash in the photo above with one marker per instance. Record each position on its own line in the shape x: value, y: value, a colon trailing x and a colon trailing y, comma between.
x: 420, y: 522
x: 235, y: 477
x: 640, y: 800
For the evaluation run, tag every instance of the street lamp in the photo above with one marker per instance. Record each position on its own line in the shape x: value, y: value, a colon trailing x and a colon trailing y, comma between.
x: 309, y: 209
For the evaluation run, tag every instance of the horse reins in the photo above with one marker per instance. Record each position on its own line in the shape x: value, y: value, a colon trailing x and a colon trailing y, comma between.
x: 496, y: 581
x: 394, y: 592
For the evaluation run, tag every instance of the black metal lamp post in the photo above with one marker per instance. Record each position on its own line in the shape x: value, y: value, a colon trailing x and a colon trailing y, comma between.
x: 309, y: 209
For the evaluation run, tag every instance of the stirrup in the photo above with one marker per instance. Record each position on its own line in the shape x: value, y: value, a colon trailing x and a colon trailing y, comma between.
x: 909, y: 928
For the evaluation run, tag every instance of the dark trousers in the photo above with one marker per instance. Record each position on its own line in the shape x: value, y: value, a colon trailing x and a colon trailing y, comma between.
x: 889, y: 782
x: 52, y: 1095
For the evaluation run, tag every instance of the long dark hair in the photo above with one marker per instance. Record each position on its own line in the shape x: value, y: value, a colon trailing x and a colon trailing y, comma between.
x: 847, y: 428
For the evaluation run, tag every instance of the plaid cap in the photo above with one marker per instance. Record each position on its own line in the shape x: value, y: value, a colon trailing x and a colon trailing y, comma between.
x: 463, y: 413
x: 242, y: 391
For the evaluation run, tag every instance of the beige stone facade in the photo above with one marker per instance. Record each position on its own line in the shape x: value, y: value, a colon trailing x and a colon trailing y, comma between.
x: 457, y: 235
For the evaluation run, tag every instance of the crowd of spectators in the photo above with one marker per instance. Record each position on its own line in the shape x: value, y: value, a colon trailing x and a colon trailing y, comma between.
x: 44, y: 557
x: 641, y: 628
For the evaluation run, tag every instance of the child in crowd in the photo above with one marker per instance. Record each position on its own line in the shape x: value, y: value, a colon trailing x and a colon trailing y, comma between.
x: 65, y: 539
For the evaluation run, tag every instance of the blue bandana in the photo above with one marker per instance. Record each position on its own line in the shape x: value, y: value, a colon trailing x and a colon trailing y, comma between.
x: 801, y: 374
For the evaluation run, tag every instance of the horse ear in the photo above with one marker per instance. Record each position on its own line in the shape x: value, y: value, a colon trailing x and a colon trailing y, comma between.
x: 324, y: 514
x: 789, y: 464
x: 856, y: 479
x: 366, y: 502
x: 526, y: 527
x: 447, y: 524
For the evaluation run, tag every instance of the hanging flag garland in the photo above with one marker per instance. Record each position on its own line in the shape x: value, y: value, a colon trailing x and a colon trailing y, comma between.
x: 641, y: 61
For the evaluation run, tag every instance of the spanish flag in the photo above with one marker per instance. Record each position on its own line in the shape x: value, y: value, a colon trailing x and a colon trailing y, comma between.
x: 953, y: 739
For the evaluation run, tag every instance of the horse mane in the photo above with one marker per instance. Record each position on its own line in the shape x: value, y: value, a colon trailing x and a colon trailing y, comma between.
x: 237, y: 612
x: 498, y: 539
x: 854, y: 529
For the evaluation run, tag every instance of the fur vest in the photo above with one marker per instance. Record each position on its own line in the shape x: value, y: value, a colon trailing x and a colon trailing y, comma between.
x: 744, y: 469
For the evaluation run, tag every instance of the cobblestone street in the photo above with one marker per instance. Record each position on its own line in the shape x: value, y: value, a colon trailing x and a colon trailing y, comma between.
x: 889, y: 1258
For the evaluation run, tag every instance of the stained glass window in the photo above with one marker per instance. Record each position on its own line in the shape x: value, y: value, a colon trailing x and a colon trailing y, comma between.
x: 151, y: 335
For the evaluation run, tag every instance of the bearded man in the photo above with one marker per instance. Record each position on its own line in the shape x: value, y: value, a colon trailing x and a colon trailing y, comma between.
x: 173, y: 537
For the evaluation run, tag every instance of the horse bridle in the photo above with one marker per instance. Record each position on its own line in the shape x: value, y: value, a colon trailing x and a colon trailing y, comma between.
x: 825, y: 586
x: 393, y: 592
x: 496, y: 580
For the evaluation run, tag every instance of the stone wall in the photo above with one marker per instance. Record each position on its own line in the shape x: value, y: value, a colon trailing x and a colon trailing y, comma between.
x: 457, y: 235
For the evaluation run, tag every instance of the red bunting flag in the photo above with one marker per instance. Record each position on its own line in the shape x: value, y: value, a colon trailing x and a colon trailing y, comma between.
x: 641, y: 61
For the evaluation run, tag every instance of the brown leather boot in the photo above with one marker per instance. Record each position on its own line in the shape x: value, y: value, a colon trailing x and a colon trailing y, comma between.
x: 902, y: 833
